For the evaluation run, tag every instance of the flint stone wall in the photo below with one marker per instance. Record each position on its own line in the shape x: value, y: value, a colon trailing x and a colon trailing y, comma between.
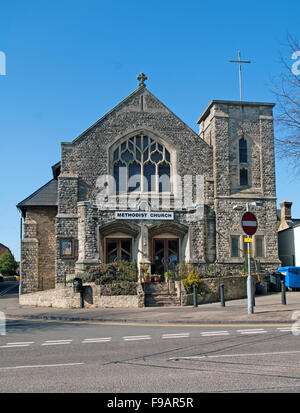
x: 64, y: 297
x: 235, y: 287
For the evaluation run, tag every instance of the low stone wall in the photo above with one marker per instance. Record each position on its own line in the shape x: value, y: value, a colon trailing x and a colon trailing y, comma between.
x: 57, y: 297
x: 235, y: 287
x: 64, y: 297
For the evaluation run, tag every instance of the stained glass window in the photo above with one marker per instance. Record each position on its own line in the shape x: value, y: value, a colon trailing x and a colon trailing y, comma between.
x: 145, y: 163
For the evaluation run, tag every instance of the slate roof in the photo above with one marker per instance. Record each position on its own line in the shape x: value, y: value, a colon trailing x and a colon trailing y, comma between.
x: 3, y: 249
x: 44, y: 196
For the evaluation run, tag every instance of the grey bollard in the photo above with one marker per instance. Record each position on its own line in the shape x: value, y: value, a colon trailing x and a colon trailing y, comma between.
x: 195, y: 296
x: 222, y: 295
x: 253, y: 295
x: 283, y: 295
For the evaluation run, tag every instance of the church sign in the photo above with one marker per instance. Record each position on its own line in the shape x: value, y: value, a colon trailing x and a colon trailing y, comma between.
x: 144, y: 215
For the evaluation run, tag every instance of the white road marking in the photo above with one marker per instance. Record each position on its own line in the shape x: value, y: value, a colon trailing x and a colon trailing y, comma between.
x: 289, y: 329
x: 96, y: 340
x: 21, y: 342
x: 179, y: 335
x: 56, y: 342
x: 214, y: 333
x: 235, y: 355
x: 3, y: 292
x: 134, y: 338
x: 15, y: 345
x: 41, y: 365
x: 252, y: 331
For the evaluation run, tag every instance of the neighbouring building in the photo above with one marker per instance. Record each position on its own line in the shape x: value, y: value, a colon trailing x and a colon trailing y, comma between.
x: 289, y: 236
x: 141, y: 185
x: 4, y: 249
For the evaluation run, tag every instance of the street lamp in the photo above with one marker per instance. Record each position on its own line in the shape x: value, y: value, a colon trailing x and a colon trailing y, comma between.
x: 250, y: 292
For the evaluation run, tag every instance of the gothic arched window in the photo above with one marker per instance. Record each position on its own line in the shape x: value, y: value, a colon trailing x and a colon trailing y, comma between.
x: 141, y: 164
x: 243, y: 151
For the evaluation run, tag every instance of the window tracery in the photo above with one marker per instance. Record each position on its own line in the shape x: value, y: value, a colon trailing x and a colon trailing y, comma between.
x: 141, y: 164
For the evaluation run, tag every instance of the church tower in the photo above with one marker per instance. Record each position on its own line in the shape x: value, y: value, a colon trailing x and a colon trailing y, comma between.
x: 241, y: 135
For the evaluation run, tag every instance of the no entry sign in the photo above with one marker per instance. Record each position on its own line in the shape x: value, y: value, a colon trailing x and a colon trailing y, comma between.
x: 249, y: 223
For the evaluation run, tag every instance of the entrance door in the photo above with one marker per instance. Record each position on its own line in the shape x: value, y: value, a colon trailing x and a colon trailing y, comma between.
x: 165, y: 254
x: 118, y: 249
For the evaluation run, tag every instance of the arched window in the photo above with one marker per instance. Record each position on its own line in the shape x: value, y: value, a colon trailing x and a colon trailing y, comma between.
x: 243, y: 151
x: 243, y: 177
x: 141, y: 164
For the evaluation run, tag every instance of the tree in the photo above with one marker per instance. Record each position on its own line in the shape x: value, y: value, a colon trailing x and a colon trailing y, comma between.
x: 286, y: 88
x: 8, y: 265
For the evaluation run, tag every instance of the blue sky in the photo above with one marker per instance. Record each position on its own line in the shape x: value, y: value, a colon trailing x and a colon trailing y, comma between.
x: 69, y: 62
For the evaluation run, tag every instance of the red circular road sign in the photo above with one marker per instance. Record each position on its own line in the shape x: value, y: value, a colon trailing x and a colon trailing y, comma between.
x: 249, y: 223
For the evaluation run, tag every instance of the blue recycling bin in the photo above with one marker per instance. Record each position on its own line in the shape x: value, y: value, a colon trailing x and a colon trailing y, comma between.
x: 291, y: 275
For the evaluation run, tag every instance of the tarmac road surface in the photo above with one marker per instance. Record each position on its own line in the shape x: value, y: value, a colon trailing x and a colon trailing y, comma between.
x: 59, y: 357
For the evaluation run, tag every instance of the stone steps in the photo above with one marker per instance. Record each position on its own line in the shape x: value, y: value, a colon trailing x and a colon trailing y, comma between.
x: 160, y: 295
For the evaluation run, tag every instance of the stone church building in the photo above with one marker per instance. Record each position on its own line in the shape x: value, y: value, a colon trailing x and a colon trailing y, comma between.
x: 140, y: 185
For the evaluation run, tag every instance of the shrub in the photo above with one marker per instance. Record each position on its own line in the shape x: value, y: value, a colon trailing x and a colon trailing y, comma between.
x: 193, y: 278
x: 114, y: 272
x: 214, y: 272
x: 183, y: 270
x: 120, y: 288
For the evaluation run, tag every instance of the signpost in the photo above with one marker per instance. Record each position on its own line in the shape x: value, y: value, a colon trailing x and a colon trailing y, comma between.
x: 249, y: 225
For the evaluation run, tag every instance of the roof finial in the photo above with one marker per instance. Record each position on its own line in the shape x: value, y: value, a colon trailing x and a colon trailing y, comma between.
x: 142, y: 77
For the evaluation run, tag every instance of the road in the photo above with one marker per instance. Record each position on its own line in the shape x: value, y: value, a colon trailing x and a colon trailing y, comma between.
x: 8, y: 288
x: 52, y: 356
x: 39, y: 356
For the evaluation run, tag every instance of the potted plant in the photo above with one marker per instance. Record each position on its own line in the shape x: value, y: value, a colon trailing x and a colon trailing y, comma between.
x: 145, y: 276
x: 156, y: 277
x: 169, y: 275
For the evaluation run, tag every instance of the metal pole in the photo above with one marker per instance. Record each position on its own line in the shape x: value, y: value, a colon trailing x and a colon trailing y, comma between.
x: 283, y: 295
x: 249, y: 279
x: 21, y: 236
x: 222, y: 295
x: 253, y: 291
x: 180, y: 292
x: 195, y: 296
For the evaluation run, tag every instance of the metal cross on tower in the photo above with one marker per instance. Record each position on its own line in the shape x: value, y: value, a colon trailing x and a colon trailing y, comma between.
x: 240, y: 70
x: 141, y: 77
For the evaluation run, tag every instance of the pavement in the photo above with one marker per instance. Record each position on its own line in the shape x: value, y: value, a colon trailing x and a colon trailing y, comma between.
x: 268, y: 310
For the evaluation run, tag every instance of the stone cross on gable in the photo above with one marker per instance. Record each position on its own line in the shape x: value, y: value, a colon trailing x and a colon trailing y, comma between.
x: 141, y: 78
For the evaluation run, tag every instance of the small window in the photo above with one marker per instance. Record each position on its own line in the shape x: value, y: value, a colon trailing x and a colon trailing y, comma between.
x: 235, y: 252
x: 243, y: 177
x: 243, y: 151
x: 259, y: 246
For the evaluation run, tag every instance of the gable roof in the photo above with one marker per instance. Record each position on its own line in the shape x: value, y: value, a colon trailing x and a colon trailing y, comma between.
x: 137, y: 92
x: 44, y: 196
x: 3, y: 249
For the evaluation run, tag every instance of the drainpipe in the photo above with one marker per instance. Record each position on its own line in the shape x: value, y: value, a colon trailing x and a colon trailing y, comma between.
x: 21, y: 236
